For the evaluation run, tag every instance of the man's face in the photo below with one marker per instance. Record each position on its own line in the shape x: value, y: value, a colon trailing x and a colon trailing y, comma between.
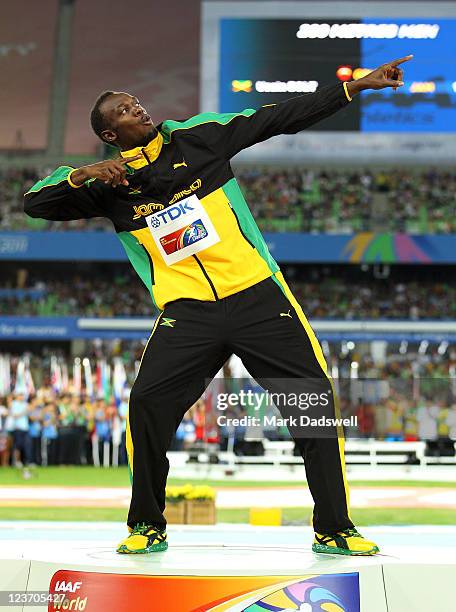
x: 129, y: 124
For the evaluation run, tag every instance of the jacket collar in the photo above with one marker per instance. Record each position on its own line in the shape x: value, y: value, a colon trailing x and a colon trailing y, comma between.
x: 149, y: 153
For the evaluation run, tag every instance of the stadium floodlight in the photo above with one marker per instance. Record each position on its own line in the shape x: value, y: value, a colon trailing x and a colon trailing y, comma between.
x: 442, y: 347
x: 403, y: 347
x: 423, y: 347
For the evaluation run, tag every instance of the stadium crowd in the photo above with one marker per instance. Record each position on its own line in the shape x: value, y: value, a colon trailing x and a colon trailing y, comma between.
x: 17, y: 181
x: 345, y: 201
x: 122, y: 294
x: 404, y: 398
x: 52, y: 428
x: 298, y: 200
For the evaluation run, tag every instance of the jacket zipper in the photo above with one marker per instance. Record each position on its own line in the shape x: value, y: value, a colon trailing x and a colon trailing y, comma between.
x: 146, y: 156
x: 239, y: 226
x: 203, y: 270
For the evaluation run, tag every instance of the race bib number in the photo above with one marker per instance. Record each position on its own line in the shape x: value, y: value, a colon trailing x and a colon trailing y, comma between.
x: 182, y: 229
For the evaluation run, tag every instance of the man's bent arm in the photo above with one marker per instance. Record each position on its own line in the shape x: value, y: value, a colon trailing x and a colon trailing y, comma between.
x: 233, y: 132
x: 230, y: 133
x: 58, y: 198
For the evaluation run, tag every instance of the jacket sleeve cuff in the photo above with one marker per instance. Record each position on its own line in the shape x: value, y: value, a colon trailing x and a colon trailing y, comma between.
x: 349, y: 98
x: 70, y: 182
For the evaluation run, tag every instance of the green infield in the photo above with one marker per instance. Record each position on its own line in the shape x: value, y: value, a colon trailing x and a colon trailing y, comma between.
x: 290, y: 516
x: 118, y: 477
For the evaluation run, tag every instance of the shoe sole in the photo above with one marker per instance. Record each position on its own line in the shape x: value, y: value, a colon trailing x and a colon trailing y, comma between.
x: 333, y: 550
x: 124, y: 550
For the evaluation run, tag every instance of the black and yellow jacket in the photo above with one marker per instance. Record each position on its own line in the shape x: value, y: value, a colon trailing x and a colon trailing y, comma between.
x: 188, y: 157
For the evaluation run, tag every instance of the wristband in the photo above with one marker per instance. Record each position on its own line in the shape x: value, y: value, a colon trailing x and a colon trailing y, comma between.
x: 349, y: 98
x: 71, y: 182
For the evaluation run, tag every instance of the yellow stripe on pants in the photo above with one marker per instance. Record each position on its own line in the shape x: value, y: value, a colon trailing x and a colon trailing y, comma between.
x: 322, y: 362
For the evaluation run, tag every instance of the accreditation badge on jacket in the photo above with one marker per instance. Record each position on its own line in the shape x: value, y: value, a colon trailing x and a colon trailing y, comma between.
x: 182, y: 229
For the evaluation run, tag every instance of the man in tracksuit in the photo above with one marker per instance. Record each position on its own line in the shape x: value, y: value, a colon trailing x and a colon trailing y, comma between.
x: 189, y: 234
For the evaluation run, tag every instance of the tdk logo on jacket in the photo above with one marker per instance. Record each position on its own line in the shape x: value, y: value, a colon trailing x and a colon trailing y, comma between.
x: 171, y: 214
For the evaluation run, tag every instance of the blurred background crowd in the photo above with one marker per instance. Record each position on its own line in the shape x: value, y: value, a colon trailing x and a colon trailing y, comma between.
x: 297, y: 200
x: 62, y: 418
x: 57, y: 419
x: 329, y: 292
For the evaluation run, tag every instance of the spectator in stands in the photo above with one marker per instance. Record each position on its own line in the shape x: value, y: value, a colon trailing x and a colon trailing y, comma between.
x: 67, y: 433
x: 212, y: 433
x: 21, y: 437
x: 35, y: 416
x: 5, y: 437
x: 199, y: 419
x: 389, y: 413
x: 298, y: 200
x: 428, y: 414
x: 179, y: 438
x: 122, y: 410
x: 50, y: 434
x: 189, y: 436
x: 444, y: 442
x: 80, y: 424
x: 365, y: 414
x: 394, y: 418
x: 103, y: 431
x: 322, y: 296
x: 452, y: 423
x: 411, y: 423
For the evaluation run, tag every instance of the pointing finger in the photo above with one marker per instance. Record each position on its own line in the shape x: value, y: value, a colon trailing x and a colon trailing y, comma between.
x: 400, y: 60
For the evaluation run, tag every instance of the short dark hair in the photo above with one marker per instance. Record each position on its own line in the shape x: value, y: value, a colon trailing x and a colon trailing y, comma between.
x: 97, y: 119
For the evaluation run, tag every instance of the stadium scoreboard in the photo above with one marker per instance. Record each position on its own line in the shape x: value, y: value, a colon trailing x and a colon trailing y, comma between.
x: 264, y: 61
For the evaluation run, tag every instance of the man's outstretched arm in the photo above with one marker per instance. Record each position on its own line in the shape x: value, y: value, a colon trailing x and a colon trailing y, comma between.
x: 75, y: 193
x: 232, y: 133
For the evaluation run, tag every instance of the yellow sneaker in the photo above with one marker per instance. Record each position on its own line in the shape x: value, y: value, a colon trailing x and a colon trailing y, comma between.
x: 143, y: 539
x: 347, y: 542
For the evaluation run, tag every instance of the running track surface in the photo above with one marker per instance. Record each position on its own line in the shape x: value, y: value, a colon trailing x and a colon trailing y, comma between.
x: 285, y: 497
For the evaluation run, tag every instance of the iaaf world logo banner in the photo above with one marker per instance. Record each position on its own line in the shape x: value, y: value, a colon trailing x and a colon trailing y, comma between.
x: 170, y: 214
x: 126, y: 592
x: 68, y: 591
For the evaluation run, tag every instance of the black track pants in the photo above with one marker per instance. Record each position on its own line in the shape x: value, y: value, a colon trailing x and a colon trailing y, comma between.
x: 190, y: 342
